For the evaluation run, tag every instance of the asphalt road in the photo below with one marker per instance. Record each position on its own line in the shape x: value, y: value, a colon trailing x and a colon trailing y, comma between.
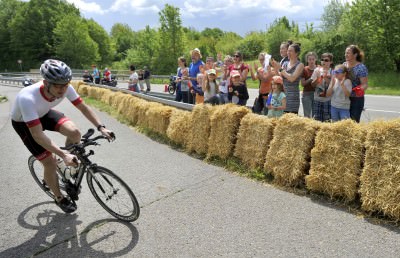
x: 189, y: 209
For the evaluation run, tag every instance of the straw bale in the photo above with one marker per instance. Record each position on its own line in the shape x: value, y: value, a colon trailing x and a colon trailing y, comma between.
x: 142, y: 108
x: 158, y: 118
x: 336, y: 160
x: 123, y: 104
x: 132, y: 111
x: 290, y: 149
x: 107, y: 97
x: 380, y: 178
x: 83, y: 90
x: 224, y: 122
x: 253, y: 139
x: 200, y: 128
x: 116, y: 99
x: 96, y: 93
x: 179, y: 127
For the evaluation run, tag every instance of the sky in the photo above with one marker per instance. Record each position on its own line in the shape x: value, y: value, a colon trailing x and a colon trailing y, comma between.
x: 239, y: 16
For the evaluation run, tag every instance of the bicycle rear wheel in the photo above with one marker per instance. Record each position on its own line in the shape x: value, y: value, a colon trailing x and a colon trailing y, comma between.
x: 37, y: 171
x: 113, y: 194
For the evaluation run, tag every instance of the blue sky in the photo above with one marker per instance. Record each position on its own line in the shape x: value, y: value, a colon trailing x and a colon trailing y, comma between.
x: 240, y: 16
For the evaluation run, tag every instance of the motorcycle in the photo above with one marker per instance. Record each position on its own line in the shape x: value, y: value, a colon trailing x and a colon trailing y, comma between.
x: 172, y: 84
x: 26, y: 82
x: 112, y: 83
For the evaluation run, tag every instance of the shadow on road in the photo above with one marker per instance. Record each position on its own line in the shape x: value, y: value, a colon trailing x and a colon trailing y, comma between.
x: 57, y: 235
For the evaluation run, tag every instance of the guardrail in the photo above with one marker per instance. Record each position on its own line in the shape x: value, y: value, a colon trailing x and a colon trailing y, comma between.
x: 162, y: 98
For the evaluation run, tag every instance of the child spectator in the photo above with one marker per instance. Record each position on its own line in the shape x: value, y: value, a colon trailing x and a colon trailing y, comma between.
x: 210, y: 87
x: 185, y: 84
x: 340, y: 90
x: 276, y: 101
x: 238, y: 90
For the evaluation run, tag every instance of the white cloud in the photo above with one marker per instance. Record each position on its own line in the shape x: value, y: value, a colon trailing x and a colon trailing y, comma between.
x: 89, y: 7
x: 136, y: 6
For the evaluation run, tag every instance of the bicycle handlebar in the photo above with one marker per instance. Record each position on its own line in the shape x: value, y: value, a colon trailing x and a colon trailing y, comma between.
x: 86, y: 141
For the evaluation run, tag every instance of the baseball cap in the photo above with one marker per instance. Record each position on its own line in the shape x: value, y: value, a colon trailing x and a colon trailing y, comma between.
x: 277, y: 79
x: 211, y: 71
x: 235, y: 73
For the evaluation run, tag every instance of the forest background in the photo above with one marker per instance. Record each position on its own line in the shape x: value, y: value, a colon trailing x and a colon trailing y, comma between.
x: 39, y: 29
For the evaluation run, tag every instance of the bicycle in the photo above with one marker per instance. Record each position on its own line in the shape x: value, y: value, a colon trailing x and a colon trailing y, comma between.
x: 109, y: 190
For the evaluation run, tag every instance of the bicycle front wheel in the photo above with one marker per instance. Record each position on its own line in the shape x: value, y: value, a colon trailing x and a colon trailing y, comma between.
x: 113, y: 194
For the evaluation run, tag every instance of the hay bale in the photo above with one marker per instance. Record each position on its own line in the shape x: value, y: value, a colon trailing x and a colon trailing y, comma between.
x: 158, y: 118
x: 336, y: 160
x: 253, y: 139
x: 131, y: 113
x: 123, y: 104
x: 200, y: 128
x: 179, y: 127
x: 116, y: 99
x: 380, y: 178
x: 107, y: 97
x: 141, y: 111
x: 290, y: 149
x: 224, y: 122
x: 83, y: 90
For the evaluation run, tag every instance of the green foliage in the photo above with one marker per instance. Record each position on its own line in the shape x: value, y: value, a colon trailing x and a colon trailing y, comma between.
x: 123, y: 37
x: 252, y: 45
x: 99, y: 35
x: 75, y: 47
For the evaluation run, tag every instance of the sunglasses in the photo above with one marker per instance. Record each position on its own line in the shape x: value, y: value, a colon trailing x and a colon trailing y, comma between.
x: 325, y: 60
x: 236, y: 56
x: 338, y: 71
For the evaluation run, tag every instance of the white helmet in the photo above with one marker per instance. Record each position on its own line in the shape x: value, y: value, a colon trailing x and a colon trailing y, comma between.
x: 55, y: 72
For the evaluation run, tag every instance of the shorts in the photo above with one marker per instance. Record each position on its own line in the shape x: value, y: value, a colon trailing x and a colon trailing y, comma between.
x: 51, y: 122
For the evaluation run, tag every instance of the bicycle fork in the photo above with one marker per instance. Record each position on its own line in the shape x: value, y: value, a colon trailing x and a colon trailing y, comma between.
x: 114, y: 190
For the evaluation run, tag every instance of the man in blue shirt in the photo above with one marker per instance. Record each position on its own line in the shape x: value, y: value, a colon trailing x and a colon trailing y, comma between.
x: 95, y: 74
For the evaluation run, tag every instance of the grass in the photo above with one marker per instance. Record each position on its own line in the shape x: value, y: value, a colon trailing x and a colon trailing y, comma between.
x: 3, y: 99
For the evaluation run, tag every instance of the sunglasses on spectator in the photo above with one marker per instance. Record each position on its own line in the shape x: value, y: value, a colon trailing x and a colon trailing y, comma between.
x: 338, y: 71
x: 325, y: 60
x: 236, y: 56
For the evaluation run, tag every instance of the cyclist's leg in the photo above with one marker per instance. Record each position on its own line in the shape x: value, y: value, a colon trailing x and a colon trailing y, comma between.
x: 71, y: 131
x: 50, y: 175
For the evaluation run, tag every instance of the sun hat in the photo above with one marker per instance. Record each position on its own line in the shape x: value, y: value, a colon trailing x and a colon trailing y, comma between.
x: 277, y: 79
x: 211, y: 71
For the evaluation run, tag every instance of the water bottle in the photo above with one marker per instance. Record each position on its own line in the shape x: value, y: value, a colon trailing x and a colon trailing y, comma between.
x: 67, y: 171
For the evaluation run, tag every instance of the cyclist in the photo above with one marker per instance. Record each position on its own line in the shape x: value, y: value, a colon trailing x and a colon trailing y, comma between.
x: 32, y: 113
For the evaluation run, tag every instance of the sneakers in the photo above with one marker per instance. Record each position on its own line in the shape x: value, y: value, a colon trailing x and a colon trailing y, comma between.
x: 66, y: 205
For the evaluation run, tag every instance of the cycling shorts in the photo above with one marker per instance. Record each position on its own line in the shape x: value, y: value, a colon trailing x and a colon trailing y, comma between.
x: 51, y: 122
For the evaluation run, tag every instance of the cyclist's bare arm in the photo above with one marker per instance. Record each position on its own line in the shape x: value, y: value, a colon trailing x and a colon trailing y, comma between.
x: 41, y: 138
x: 92, y: 117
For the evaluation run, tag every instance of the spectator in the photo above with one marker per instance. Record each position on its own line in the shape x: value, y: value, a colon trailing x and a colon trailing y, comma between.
x: 185, y: 85
x: 218, y: 65
x: 209, y: 63
x: 264, y: 76
x: 283, y: 51
x: 321, y: 79
x: 358, y: 75
x: 340, y: 91
x: 179, y: 77
x: 307, y: 98
x: 291, y: 72
x: 210, y: 87
x: 141, y: 79
x: 87, y: 77
x: 107, y: 75
x: 223, y: 85
x: 239, y: 66
x: 133, y: 79
x: 238, y: 89
x: 195, y: 68
x: 276, y: 102
x: 95, y: 74
x: 147, y: 76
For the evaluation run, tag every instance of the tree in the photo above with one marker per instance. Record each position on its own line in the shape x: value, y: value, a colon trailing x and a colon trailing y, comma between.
x: 75, y: 46
x: 31, y: 29
x: 123, y: 37
x: 332, y: 15
x: 171, y: 38
x: 103, y: 40
x: 8, y: 8
x: 252, y: 45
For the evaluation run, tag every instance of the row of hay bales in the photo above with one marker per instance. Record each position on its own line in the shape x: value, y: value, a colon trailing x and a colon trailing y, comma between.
x: 343, y: 160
